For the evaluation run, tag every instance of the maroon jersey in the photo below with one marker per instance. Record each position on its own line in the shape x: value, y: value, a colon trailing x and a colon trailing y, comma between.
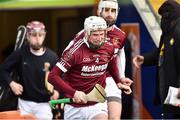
x: 117, y: 37
x: 85, y: 67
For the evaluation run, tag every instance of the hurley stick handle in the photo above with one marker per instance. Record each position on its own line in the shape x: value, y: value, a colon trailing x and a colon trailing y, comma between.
x: 59, y: 101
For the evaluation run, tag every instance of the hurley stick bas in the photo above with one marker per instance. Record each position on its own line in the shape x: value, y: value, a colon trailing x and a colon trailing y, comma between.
x: 96, y: 95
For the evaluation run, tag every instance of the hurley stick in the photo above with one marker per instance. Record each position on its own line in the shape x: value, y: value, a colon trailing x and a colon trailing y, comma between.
x: 96, y: 95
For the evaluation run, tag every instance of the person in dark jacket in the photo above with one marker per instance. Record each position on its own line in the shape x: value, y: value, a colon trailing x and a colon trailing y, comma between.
x: 32, y: 62
x: 167, y: 56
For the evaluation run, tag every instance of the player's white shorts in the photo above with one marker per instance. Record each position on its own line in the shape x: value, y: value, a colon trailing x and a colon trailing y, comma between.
x: 84, y: 113
x: 41, y: 110
x: 113, y: 93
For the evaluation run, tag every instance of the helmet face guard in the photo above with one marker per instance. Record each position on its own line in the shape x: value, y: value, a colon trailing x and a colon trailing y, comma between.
x: 92, y: 24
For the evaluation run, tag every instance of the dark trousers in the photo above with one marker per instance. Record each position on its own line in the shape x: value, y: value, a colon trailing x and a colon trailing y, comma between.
x: 170, y: 112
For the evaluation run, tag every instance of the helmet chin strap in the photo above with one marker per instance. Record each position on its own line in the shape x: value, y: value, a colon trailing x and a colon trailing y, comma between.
x: 109, y: 24
x: 85, y: 40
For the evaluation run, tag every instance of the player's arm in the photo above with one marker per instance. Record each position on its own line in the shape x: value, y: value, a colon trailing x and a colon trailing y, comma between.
x: 56, y: 80
x: 121, y: 62
x: 115, y: 73
x: 6, y: 69
x: 10, y: 63
x: 113, y: 70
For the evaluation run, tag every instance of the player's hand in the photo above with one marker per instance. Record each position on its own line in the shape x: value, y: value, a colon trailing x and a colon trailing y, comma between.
x: 125, y: 88
x: 16, y: 88
x: 80, y: 97
x: 55, y: 95
x: 138, y: 61
x: 126, y: 81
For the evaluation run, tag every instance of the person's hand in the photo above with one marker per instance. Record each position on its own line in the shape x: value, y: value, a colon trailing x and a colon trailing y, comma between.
x: 16, y: 88
x: 125, y: 88
x: 138, y: 61
x: 79, y: 97
x: 126, y: 81
x: 55, y: 95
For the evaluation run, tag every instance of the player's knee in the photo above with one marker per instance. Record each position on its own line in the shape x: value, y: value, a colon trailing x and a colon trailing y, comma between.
x: 100, y: 117
x: 114, y: 110
x: 114, y: 117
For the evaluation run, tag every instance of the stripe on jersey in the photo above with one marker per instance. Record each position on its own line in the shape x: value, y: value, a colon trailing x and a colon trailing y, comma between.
x: 60, y: 66
x: 69, y: 45
x: 118, y: 29
x: 80, y: 42
x: 79, y: 33
x: 64, y: 62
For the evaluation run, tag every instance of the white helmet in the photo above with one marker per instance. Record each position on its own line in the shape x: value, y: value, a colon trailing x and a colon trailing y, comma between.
x: 108, y: 4
x: 93, y: 23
